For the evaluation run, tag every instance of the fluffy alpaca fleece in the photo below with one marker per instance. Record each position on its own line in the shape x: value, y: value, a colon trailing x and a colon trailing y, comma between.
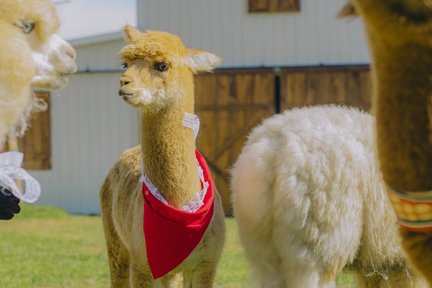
x: 31, y: 56
x: 158, y: 81
x: 309, y: 202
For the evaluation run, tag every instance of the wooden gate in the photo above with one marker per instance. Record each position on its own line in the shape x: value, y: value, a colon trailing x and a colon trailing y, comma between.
x: 326, y: 85
x: 230, y: 103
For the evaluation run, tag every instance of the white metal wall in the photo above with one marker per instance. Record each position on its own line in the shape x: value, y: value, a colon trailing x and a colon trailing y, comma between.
x: 91, y: 126
x: 99, y: 52
x: 311, y: 37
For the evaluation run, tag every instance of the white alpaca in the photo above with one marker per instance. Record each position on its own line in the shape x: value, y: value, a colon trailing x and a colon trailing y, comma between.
x: 32, y: 56
x: 309, y: 201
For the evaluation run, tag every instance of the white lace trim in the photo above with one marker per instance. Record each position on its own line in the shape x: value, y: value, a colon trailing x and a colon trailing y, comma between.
x: 10, y: 170
x: 191, y: 206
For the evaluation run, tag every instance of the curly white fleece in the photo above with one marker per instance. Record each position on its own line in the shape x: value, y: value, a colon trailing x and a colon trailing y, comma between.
x: 309, y: 199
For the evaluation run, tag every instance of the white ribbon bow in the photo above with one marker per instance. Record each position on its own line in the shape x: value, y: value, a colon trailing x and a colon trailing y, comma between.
x: 10, y: 170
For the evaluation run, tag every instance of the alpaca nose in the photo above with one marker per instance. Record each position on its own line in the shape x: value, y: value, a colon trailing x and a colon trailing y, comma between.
x: 70, y: 52
x: 124, y: 82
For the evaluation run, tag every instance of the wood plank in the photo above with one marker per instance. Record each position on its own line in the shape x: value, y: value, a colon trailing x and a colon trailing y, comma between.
x: 292, y: 89
x: 325, y: 85
x: 36, y: 143
x: 240, y: 101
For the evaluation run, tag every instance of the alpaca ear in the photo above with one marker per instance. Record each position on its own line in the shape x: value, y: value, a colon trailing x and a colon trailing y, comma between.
x: 347, y: 11
x: 200, y: 60
x: 130, y: 33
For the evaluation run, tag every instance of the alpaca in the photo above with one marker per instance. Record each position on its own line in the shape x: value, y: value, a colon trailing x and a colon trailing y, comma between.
x: 32, y: 56
x: 309, y: 201
x: 158, y: 81
x: 401, y: 49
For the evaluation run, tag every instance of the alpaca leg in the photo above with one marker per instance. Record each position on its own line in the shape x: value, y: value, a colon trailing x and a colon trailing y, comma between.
x: 265, y: 266
x: 300, y: 268
x: 297, y: 274
x: 204, y: 276
x: 118, y: 262
x: 140, y: 277
x: 396, y: 276
x: 119, y: 265
x: 171, y: 281
x: 117, y: 254
x: 418, y: 247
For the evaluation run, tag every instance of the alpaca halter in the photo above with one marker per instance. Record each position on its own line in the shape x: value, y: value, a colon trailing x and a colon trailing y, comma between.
x: 10, y: 170
x: 413, y: 209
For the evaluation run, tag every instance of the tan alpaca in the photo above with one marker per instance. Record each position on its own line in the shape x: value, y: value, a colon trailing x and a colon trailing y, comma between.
x: 31, y: 57
x: 400, y: 41
x: 158, y: 82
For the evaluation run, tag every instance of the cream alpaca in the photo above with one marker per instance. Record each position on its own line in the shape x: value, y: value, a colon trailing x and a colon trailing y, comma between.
x: 31, y: 57
x: 309, y: 201
x: 158, y: 81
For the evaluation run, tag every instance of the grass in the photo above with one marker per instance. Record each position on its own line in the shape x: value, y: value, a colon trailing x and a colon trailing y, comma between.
x: 46, y: 247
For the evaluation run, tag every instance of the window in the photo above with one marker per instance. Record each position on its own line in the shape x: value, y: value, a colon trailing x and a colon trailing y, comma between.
x: 274, y: 6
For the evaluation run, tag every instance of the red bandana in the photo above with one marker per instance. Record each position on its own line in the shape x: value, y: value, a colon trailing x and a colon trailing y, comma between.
x: 172, y: 234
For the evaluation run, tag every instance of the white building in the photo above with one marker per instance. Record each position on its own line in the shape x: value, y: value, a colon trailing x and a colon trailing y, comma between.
x: 90, y: 124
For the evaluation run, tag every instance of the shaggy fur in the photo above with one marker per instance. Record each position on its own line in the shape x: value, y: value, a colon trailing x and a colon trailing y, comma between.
x: 168, y: 153
x: 29, y: 58
x: 399, y: 34
x: 309, y: 201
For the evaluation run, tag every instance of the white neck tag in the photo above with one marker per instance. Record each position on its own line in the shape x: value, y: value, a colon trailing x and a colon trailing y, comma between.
x: 191, y: 121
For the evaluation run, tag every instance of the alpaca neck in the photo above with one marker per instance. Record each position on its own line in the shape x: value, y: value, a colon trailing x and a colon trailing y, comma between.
x: 168, y: 150
x: 403, y: 89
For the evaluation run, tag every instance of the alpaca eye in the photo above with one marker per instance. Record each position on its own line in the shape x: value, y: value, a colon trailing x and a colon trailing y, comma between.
x: 26, y: 27
x: 161, y: 66
x: 125, y: 66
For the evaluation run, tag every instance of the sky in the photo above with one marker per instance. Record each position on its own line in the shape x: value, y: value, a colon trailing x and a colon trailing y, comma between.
x: 83, y: 18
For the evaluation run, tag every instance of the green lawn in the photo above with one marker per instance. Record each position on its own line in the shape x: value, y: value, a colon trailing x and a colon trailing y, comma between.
x: 46, y: 247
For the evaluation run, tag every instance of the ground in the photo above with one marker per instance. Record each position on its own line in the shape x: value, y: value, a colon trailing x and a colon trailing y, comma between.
x: 46, y: 247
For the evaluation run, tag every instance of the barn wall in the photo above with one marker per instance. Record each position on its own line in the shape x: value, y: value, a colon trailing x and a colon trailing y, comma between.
x: 91, y: 126
x: 312, y: 36
x: 99, y: 53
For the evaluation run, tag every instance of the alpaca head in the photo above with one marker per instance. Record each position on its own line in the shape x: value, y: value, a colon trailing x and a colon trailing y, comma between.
x: 30, y: 27
x: 31, y: 57
x: 398, y: 21
x: 159, y: 69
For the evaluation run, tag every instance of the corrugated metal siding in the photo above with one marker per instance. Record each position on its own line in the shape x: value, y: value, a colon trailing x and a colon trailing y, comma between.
x: 99, y: 56
x: 91, y: 126
x: 310, y: 37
